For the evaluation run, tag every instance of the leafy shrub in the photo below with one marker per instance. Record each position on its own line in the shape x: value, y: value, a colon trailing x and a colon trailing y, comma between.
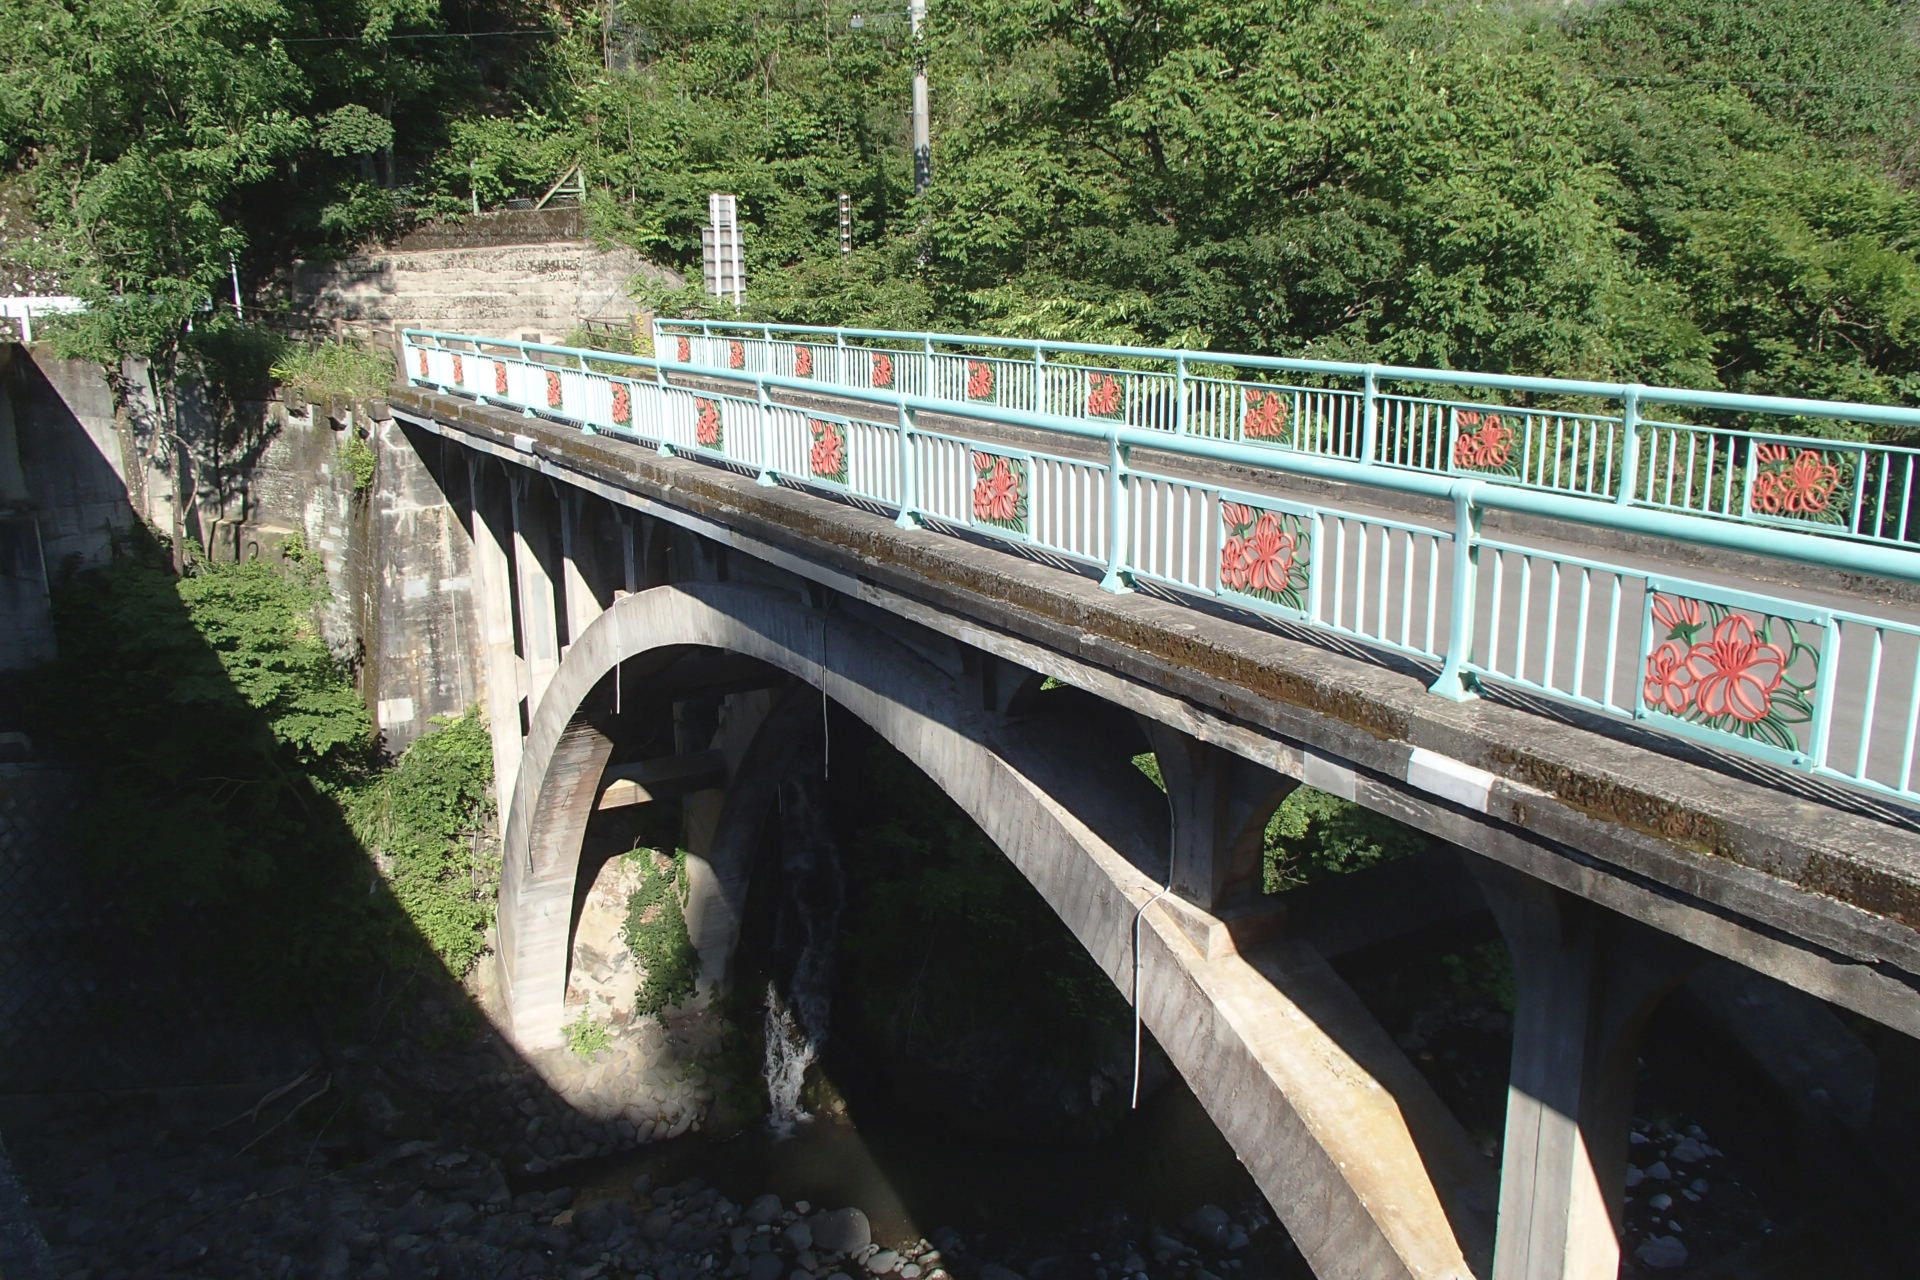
x: 360, y: 460
x: 587, y: 1037
x: 429, y: 820
x: 656, y: 931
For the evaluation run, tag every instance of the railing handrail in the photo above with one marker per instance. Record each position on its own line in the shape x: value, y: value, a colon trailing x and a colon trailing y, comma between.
x: 1783, y: 544
x: 1729, y: 401
x: 1766, y: 683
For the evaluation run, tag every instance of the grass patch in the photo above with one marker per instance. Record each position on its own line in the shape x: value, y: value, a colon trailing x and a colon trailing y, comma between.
x: 346, y: 370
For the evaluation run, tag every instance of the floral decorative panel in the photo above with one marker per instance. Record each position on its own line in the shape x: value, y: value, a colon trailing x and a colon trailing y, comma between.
x: 1735, y: 671
x: 1266, y: 416
x: 1266, y: 555
x: 1798, y: 484
x: 708, y: 431
x: 827, y: 459
x: 979, y: 380
x: 1000, y: 491
x: 1484, y: 442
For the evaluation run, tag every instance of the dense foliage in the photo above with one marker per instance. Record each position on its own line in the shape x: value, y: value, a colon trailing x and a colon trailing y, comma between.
x: 656, y: 931
x: 234, y: 763
x: 429, y: 821
x: 1706, y: 192
x: 1710, y: 192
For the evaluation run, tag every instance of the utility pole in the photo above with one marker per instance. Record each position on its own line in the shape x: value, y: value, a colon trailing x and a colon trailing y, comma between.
x: 922, y: 135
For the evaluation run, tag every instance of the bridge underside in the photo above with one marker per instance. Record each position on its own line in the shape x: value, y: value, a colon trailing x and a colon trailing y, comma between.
x: 1613, y: 870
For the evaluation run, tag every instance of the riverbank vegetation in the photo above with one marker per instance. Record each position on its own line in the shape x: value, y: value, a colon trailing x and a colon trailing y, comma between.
x: 243, y: 822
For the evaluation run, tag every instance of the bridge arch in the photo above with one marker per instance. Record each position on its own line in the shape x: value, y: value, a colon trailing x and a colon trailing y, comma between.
x: 1342, y: 1136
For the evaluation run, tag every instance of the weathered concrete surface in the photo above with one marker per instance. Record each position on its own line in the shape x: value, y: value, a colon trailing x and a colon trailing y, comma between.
x: 417, y: 607
x: 499, y: 290
x: 1821, y: 898
x: 77, y: 472
x: 1298, y: 1077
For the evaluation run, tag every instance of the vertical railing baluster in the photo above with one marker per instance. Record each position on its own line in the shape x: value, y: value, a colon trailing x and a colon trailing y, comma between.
x: 1821, y: 733
x: 1370, y: 414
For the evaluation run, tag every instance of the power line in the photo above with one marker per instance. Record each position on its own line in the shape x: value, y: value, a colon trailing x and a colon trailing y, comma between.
x: 421, y: 35
x: 1664, y: 81
x: 758, y: 20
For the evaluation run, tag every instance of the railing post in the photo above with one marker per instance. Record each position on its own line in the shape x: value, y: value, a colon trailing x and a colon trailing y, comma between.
x: 1180, y: 394
x: 1370, y: 415
x: 768, y: 476
x: 1039, y: 404
x: 926, y: 380
x: 1119, y: 576
x: 1630, y: 444
x: 909, y: 517
x: 766, y: 349
x: 657, y: 334
x: 1455, y: 682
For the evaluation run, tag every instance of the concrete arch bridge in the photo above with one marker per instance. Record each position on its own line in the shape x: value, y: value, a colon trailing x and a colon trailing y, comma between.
x: 729, y: 544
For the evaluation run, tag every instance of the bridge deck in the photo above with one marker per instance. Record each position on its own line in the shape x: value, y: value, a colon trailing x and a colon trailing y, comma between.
x: 1379, y: 604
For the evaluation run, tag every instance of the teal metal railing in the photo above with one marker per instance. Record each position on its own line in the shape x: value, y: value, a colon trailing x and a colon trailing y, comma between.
x: 1777, y: 676
x: 1593, y: 440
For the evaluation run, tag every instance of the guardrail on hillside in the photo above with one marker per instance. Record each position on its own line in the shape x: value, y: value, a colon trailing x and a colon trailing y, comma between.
x: 1829, y: 691
x: 24, y: 309
x: 1591, y: 440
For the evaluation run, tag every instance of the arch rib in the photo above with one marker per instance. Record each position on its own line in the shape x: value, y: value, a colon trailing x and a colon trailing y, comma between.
x: 1317, y: 1103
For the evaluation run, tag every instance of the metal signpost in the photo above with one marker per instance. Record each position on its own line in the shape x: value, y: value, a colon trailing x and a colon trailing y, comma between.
x: 720, y: 252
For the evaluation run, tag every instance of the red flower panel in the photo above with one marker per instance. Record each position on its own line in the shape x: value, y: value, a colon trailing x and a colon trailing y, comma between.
x: 803, y: 362
x: 882, y: 369
x: 684, y: 350
x: 1000, y: 491
x: 1737, y: 678
x: 1485, y: 443
x: 499, y: 378
x: 1103, y: 397
x: 459, y: 372
x: 979, y: 380
x: 827, y: 460
x: 707, y: 430
x: 622, y: 404
x: 1266, y: 415
x: 423, y: 364
x: 1793, y: 484
x: 736, y: 355
x: 554, y: 397
x: 1264, y: 554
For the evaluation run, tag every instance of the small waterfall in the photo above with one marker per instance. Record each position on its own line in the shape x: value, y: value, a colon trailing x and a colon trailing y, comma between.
x: 803, y: 946
x: 790, y: 1051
